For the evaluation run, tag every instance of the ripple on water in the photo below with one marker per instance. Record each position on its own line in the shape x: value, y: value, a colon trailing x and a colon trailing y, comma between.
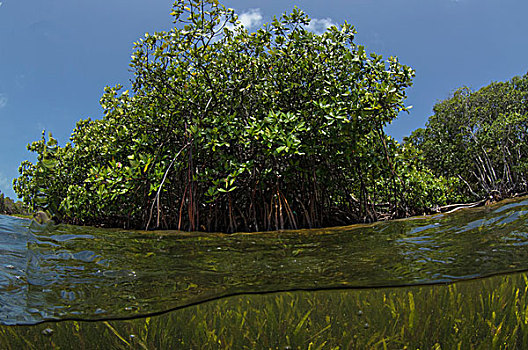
x: 57, y: 272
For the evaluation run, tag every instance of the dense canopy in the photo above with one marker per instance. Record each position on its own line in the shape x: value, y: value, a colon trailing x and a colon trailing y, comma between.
x: 227, y: 130
x: 481, y: 138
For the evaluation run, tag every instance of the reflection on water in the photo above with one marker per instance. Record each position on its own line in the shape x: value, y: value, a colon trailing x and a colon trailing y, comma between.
x: 69, y: 272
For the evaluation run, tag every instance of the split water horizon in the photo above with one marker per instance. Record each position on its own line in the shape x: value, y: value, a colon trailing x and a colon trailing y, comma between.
x: 447, y: 279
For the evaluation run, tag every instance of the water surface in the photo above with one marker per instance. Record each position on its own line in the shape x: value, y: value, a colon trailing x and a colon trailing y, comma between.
x: 59, y: 272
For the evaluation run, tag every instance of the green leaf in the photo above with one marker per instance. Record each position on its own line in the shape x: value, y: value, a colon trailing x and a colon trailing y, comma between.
x: 281, y: 149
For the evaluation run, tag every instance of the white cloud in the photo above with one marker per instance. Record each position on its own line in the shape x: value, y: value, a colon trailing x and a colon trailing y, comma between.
x: 253, y: 18
x: 249, y: 19
x: 6, y: 186
x: 4, y: 182
x: 320, y: 25
x: 3, y: 100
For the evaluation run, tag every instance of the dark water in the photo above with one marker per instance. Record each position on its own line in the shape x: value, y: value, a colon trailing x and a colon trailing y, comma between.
x: 67, y: 272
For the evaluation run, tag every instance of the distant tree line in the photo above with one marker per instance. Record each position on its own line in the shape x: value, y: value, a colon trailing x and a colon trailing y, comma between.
x: 480, y: 138
x: 11, y: 207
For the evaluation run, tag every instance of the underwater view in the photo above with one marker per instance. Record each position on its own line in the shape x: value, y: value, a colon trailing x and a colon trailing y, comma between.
x: 445, y: 281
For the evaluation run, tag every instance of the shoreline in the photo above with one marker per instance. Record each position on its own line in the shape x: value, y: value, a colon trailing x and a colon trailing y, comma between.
x: 448, y: 209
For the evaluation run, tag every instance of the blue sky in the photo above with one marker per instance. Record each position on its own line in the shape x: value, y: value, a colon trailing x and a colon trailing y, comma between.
x: 56, y: 56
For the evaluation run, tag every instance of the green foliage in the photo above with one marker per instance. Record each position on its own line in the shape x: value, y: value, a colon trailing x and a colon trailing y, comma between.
x: 41, y: 186
x: 11, y: 207
x: 481, y: 138
x: 227, y: 130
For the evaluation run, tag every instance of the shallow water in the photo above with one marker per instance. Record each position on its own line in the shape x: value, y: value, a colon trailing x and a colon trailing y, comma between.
x: 68, y: 272
x: 487, y: 313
